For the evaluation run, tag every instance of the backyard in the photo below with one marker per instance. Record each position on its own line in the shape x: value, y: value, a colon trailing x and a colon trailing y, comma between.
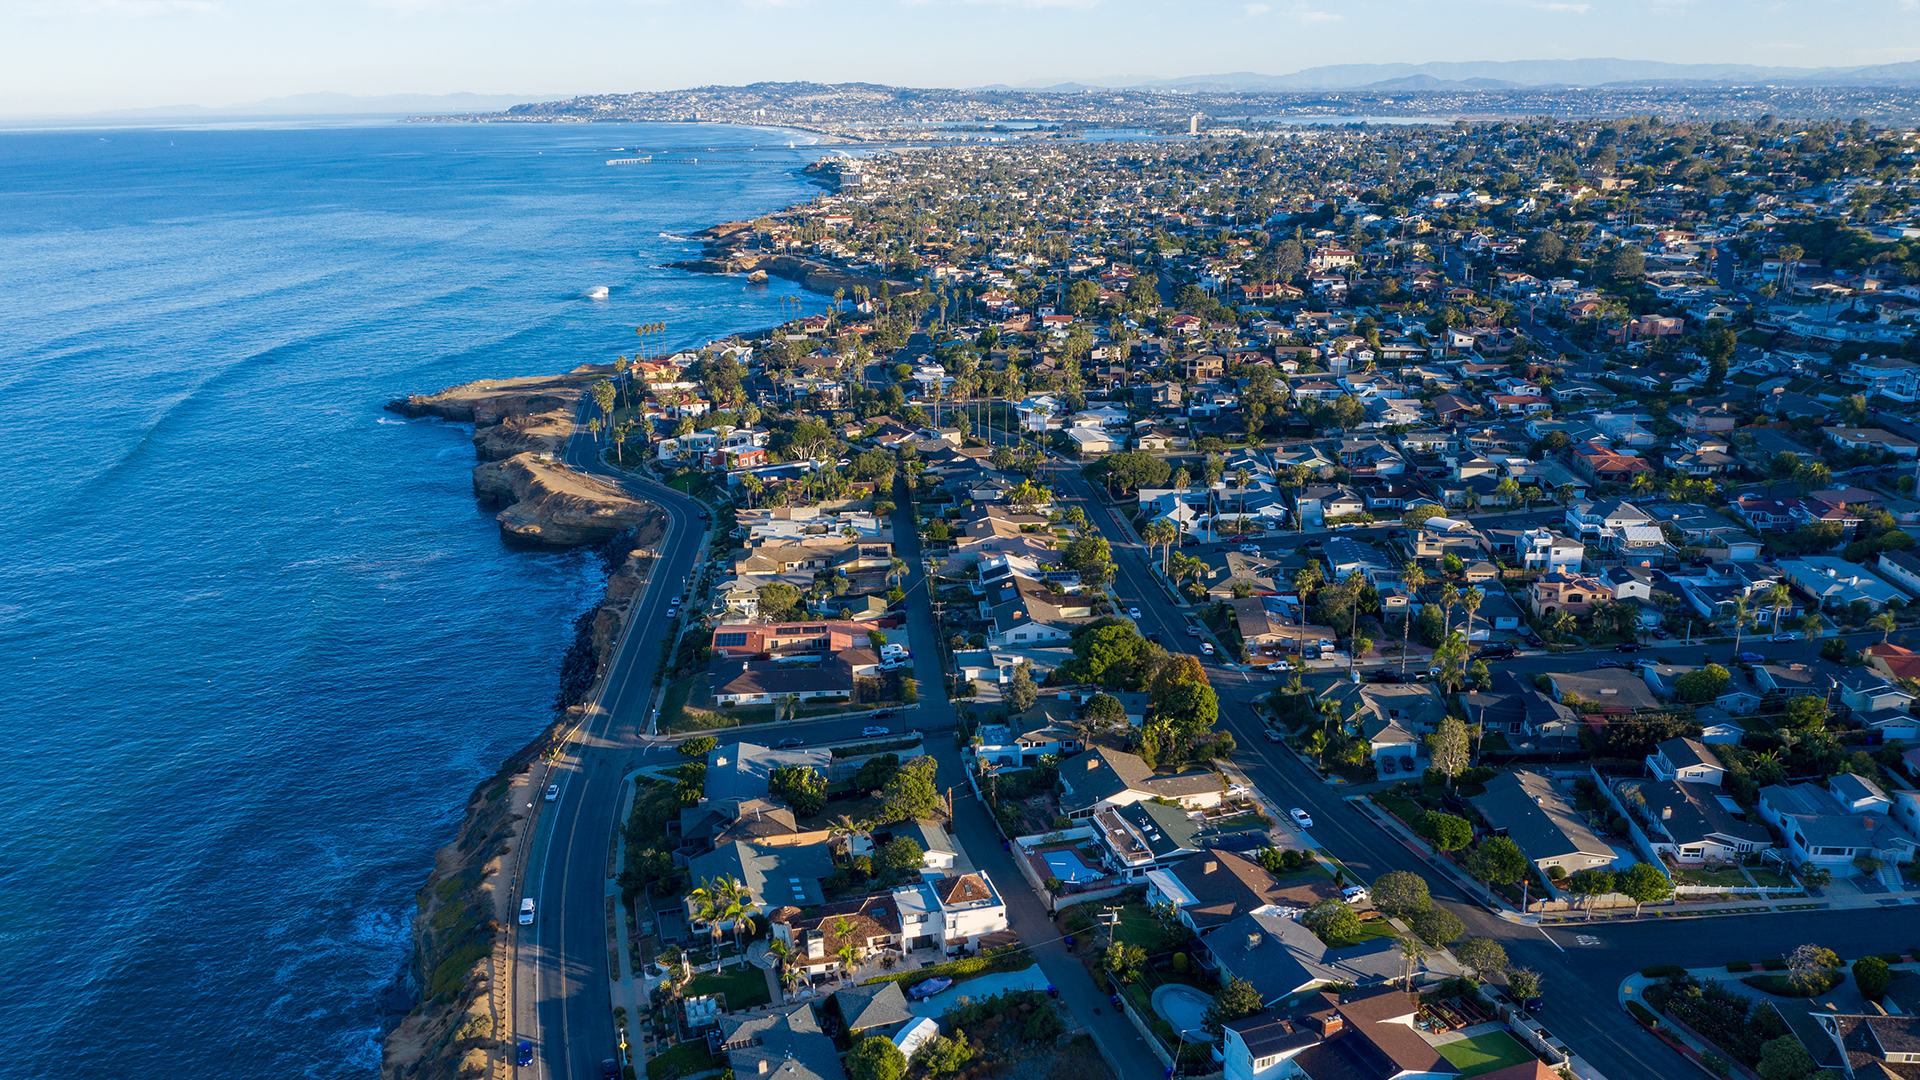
x: 1484, y: 1053
x: 744, y: 986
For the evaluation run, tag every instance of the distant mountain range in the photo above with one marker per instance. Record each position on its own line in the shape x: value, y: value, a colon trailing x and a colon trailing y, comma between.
x: 330, y: 104
x: 1496, y: 75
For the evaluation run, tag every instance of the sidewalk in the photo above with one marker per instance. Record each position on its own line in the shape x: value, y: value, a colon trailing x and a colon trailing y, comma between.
x: 1478, y: 892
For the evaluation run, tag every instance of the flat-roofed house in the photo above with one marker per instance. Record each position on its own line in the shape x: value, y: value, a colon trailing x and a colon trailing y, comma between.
x: 1525, y: 807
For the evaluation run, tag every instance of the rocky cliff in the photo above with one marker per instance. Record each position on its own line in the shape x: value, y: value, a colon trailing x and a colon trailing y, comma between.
x: 552, y: 505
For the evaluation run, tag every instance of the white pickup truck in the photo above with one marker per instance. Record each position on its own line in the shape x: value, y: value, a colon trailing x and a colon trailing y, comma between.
x: 526, y: 911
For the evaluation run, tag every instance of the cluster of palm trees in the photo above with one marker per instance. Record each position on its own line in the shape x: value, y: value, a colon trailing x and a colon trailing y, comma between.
x: 719, y: 901
x: 848, y: 954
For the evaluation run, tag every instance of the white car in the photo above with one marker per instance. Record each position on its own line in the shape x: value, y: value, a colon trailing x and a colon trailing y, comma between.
x: 1300, y: 818
x: 1782, y: 636
x: 1354, y: 894
x: 526, y: 911
x: 869, y: 732
x: 1250, y: 549
x: 1133, y: 613
x: 553, y: 792
x: 1206, y: 648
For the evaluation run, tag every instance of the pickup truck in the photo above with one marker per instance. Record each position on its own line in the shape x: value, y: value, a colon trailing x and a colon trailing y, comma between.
x: 526, y: 911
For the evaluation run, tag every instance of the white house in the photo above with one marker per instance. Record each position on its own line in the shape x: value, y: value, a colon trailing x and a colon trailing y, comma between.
x: 1544, y: 549
x: 1833, y: 825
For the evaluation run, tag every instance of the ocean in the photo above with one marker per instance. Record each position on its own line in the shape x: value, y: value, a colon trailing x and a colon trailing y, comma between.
x: 261, y: 642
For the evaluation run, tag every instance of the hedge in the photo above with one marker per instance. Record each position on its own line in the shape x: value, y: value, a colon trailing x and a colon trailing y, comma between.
x: 1641, y: 1014
x: 1008, y: 958
x: 1737, y: 966
x: 1662, y: 971
x: 1778, y: 963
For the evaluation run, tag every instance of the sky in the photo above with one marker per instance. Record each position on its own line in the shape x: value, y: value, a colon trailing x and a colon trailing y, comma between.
x: 76, y: 56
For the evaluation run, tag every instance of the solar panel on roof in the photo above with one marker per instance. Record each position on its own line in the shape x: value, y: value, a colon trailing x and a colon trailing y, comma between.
x: 729, y: 639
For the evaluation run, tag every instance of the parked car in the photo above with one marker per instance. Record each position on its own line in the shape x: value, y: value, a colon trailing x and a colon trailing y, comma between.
x: 1536, y: 641
x: 1386, y: 766
x: 1627, y: 646
x: 553, y: 792
x: 789, y: 742
x: 1495, y: 652
x: 1274, y: 736
x: 1300, y: 818
x: 1193, y: 631
x: 526, y: 911
x: 1206, y: 648
x: 1609, y: 664
x: 880, y: 714
x: 1250, y: 549
x: 525, y: 1048
x: 870, y: 731
x: 1661, y: 635
x: 1782, y: 636
x: 1751, y: 658
x: 1133, y: 613
x: 609, y: 1068
x: 1384, y: 677
x: 1354, y: 894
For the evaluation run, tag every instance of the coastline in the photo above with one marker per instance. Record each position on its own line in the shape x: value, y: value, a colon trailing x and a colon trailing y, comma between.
x: 455, y: 1020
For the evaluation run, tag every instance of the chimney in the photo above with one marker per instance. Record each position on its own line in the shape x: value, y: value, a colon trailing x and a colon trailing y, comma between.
x: 1092, y: 763
x: 743, y: 665
x: 1330, y: 1023
x: 1253, y: 942
x: 765, y: 1066
x: 1666, y: 813
x: 1210, y: 866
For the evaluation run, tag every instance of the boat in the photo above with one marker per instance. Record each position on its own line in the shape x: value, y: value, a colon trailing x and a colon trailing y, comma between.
x: 927, y: 989
x: 598, y: 292
x: 641, y: 160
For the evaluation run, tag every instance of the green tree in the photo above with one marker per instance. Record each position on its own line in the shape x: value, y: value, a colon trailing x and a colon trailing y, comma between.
x: 1484, y: 955
x: 1871, y: 976
x: 1437, y: 926
x: 1448, y: 747
x: 875, y: 1058
x: 1234, y: 1001
x: 697, y: 747
x: 1642, y: 884
x: 1784, y: 1059
x: 899, y: 857
x: 1333, y: 920
x: 1591, y: 883
x: 911, y: 795
x: 1497, y: 860
x: 1125, y: 961
x: 1021, y: 693
x: 1807, y: 713
x: 1703, y: 685
x: 876, y: 771
x: 1444, y: 831
x: 778, y: 601
x: 1522, y: 985
x: 1105, y: 708
x: 940, y: 1055
x: 800, y: 787
x: 1401, y: 893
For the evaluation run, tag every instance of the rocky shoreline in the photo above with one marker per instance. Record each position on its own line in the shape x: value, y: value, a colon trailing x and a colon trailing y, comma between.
x: 457, y: 1020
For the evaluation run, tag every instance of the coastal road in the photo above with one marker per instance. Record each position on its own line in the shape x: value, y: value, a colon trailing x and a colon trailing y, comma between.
x: 1580, y: 979
x: 560, y: 998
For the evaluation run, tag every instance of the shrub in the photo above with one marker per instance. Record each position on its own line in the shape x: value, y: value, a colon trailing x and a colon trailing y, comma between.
x: 1640, y: 1013
x: 1778, y: 963
x: 1738, y: 966
x: 1662, y: 971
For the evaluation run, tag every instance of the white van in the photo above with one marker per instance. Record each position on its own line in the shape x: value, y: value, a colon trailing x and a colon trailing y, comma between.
x: 526, y: 911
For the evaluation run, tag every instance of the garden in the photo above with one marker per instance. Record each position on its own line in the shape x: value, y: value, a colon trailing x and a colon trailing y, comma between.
x: 1484, y: 1053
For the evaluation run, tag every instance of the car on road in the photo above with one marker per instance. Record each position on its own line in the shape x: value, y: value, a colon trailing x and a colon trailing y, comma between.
x: 1250, y: 549
x: 526, y: 911
x: 1384, y: 677
x: 553, y: 792
x: 869, y: 732
x: 1274, y: 736
x: 1751, y: 658
x: 1782, y: 637
x: 1609, y: 664
x: 609, y: 1068
x: 1193, y: 631
x: 525, y: 1052
x: 1154, y: 636
x: 789, y: 741
x: 1354, y: 894
x: 1206, y: 648
x: 1627, y: 646
x: 1495, y: 652
x: 1301, y: 818
x: 1133, y: 613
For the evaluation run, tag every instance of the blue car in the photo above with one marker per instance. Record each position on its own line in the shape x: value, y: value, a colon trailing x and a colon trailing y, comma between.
x: 1751, y: 658
x: 526, y: 1052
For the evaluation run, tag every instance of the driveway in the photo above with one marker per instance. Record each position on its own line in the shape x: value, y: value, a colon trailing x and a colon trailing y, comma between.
x: 985, y: 986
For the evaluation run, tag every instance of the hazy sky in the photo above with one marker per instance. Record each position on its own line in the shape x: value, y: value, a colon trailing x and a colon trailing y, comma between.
x: 77, y: 55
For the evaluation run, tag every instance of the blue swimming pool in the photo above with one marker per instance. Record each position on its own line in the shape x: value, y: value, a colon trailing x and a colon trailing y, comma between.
x: 1067, y: 866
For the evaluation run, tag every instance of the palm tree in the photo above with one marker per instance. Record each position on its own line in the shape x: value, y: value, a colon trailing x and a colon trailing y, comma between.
x: 1740, y: 613
x: 1307, y: 579
x: 1413, y: 577
x: 1449, y: 597
x: 710, y: 903
x: 896, y: 569
x: 1776, y: 597
x: 847, y: 955
x: 1470, y: 600
x: 1885, y: 623
x: 1813, y: 628
x: 1412, y: 951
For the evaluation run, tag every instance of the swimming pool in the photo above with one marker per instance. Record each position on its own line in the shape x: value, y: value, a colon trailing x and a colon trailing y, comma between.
x: 1185, y: 1008
x: 1067, y: 866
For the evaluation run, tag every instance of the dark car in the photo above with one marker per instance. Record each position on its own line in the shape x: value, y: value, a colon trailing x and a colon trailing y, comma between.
x: 1495, y: 652
x: 1627, y: 646
x: 880, y: 714
x: 526, y: 1052
x: 609, y: 1068
x: 1536, y: 641
x: 1609, y: 663
x: 1384, y: 677
x: 1751, y: 658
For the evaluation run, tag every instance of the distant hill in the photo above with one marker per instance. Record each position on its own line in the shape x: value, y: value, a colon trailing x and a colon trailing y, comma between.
x: 330, y: 104
x: 1501, y: 74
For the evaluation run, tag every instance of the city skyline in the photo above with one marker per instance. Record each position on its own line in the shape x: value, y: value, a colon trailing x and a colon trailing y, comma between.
x: 99, y: 55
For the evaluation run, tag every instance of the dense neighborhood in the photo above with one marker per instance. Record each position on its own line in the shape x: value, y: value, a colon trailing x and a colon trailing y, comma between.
x: 1540, y: 495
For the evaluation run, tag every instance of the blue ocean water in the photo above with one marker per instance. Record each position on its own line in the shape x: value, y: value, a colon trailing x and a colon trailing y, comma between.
x: 260, y: 642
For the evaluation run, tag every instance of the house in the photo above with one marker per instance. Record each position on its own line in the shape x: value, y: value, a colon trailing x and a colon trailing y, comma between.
x: 1575, y: 594
x: 1107, y: 777
x: 1526, y: 807
x: 1687, y: 761
x: 1140, y: 836
x: 1218, y: 886
x: 1872, y: 1047
x: 1265, y: 1046
x: 938, y: 850
x: 1046, y: 728
x: 1833, y: 825
x: 1027, y: 613
x: 1864, y: 691
x: 1544, y: 549
x: 1320, y: 503
x: 1735, y: 700
x: 1831, y: 581
x: 1284, y: 960
x: 1376, y: 1027
x: 972, y: 911
x: 739, y: 771
x: 1691, y: 823
x: 817, y: 937
x: 784, y: 1043
x: 1393, y: 719
x: 760, y: 682
x: 1900, y: 568
x: 774, y: 877
x: 1614, y: 690
x: 872, y: 1007
x: 1796, y: 679
x: 1874, y: 440
x: 1602, y: 465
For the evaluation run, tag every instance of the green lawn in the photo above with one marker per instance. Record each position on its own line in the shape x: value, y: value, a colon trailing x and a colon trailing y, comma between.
x: 745, y: 986
x: 1485, y: 1053
x: 1369, y: 930
x: 683, y: 1059
x: 1725, y: 879
x: 1769, y: 878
